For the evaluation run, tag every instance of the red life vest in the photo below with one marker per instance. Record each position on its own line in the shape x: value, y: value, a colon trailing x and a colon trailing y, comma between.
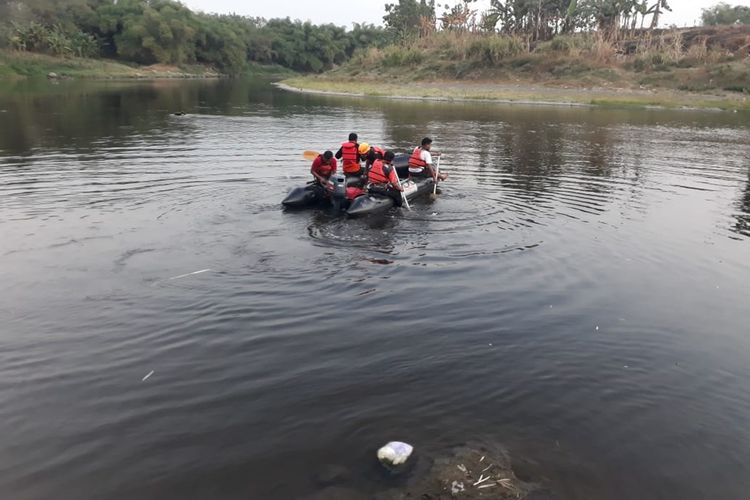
x: 380, y: 173
x: 415, y: 160
x: 324, y: 168
x: 350, y: 157
x: 378, y: 151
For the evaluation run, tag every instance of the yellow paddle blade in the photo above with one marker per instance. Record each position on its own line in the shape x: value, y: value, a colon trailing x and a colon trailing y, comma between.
x: 310, y: 155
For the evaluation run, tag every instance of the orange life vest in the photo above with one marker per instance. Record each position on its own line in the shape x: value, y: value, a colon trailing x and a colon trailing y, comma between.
x: 415, y: 160
x: 350, y: 157
x: 379, y: 173
x: 325, y: 169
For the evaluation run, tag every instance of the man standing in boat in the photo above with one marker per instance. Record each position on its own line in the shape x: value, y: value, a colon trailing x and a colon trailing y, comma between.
x: 323, y: 167
x: 383, y: 178
x: 420, y: 162
x: 348, y: 153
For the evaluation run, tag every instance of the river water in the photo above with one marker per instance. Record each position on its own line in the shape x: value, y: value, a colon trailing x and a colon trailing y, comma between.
x: 577, y: 294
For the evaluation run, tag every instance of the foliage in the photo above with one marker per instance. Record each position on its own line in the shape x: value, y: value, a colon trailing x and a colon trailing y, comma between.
x: 167, y: 32
x: 724, y: 13
x: 409, y: 18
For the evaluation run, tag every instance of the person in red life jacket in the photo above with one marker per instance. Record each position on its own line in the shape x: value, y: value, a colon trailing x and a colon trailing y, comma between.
x: 348, y: 153
x: 383, y: 178
x: 323, y: 167
x: 370, y: 153
x: 420, y: 161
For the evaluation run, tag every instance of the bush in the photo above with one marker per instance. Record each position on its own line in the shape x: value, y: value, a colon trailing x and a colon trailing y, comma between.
x: 494, y: 49
x: 396, y: 55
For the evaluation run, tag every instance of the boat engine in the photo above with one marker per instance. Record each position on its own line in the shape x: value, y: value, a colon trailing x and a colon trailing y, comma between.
x: 338, y: 196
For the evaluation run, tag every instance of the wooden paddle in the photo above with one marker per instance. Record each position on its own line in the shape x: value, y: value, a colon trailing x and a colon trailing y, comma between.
x: 310, y: 155
x: 437, y: 177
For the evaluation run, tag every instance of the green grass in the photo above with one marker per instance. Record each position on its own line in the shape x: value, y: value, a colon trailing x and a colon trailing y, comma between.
x: 17, y: 65
x: 531, y: 93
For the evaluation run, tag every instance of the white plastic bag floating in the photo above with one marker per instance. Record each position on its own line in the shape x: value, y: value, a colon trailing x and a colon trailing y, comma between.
x: 395, y: 453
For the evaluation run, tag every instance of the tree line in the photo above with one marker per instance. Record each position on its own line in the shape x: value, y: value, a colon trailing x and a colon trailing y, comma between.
x: 167, y: 32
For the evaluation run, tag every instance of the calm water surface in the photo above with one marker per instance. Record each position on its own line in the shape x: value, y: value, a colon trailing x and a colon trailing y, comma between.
x: 578, y: 294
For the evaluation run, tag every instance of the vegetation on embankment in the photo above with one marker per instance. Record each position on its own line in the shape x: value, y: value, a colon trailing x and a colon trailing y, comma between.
x: 18, y: 65
x: 698, y: 67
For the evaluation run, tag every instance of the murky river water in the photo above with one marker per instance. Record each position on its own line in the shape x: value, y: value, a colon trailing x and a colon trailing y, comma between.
x: 578, y: 293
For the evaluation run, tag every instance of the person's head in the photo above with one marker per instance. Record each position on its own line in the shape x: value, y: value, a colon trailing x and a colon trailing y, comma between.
x: 388, y: 156
x: 364, y: 148
x: 353, y: 137
x: 426, y: 143
x: 327, y: 156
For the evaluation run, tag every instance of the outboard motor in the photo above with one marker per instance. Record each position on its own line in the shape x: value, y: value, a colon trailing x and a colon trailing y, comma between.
x: 338, y: 196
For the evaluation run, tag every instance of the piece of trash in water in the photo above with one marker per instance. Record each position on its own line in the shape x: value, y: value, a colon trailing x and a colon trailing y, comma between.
x: 490, y: 346
x: 384, y: 262
x: 147, y: 376
x: 597, y: 328
x: 485, y: 486
x: 434, y: 213
x: 189, y: 274
x: 462, y: 468
x: 482, y: 479
x: 482, y: 459
x: 395, y: 453
x: 626, y: 366
x: 457, y: 487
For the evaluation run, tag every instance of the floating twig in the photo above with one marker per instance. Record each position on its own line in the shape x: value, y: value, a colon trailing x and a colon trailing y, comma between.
x: 463, y: 468
x: 488, y: 467
x: 482, y: 459
x: 486, y: 486
x: 482, y: 479
x: 147, y: 376
x: 189, y: 274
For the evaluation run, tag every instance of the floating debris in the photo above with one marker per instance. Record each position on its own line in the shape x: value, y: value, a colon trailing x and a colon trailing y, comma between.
x: 485, y: 486
x: 488, y: 468
x: 457, y: 487
x: 482, y: 479
x: 483, y: 457
x: 190, y: 274
x: 395, y: 453
x: 147, y: 376
x: 462, y: 468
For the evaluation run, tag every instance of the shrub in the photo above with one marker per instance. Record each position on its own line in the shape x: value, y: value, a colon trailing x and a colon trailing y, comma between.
x: 494, y: 49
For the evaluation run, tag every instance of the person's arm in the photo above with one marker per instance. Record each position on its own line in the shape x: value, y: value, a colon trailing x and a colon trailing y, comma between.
x: 339, y: 153
x: 394, y: 180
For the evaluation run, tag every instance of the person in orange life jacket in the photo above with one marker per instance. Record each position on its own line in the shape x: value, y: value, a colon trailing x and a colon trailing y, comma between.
x: 323, y: 167
x: 383, y: 178
x: 370, y: 153
x: 348, y: 153
x: 420, y: 161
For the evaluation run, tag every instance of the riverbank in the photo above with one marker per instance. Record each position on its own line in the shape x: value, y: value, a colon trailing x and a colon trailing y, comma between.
x: 691, y: 68
x: 16, y: 65
x: 516, y: 93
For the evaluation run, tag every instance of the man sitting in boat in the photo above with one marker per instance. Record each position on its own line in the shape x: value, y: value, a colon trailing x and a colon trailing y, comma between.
x: 369, y: 154
x: 420, y: 162
x: 348, y: 153
x: 323, y: 167
x: 383, y: 179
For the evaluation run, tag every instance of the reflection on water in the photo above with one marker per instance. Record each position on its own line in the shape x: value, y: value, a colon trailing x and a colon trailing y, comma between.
x: 576, y: 294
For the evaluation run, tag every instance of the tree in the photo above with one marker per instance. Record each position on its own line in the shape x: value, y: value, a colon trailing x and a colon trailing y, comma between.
x: 409, y: 18
x: 724, y: 13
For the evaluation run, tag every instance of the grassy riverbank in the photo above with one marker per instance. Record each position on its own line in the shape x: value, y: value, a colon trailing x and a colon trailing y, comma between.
x: 698, y: 68
x: 19, y: 65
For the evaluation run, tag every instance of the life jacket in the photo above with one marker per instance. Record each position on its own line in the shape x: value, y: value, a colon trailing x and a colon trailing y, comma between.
x: 416, y: 161
x: 379, y: 153
x: 353, y: 192
x: 380, y: 173
x: 350, y: 157
x: 324, y: 169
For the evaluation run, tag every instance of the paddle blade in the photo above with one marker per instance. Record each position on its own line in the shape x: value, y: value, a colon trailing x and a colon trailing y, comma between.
x: 310, y: 155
